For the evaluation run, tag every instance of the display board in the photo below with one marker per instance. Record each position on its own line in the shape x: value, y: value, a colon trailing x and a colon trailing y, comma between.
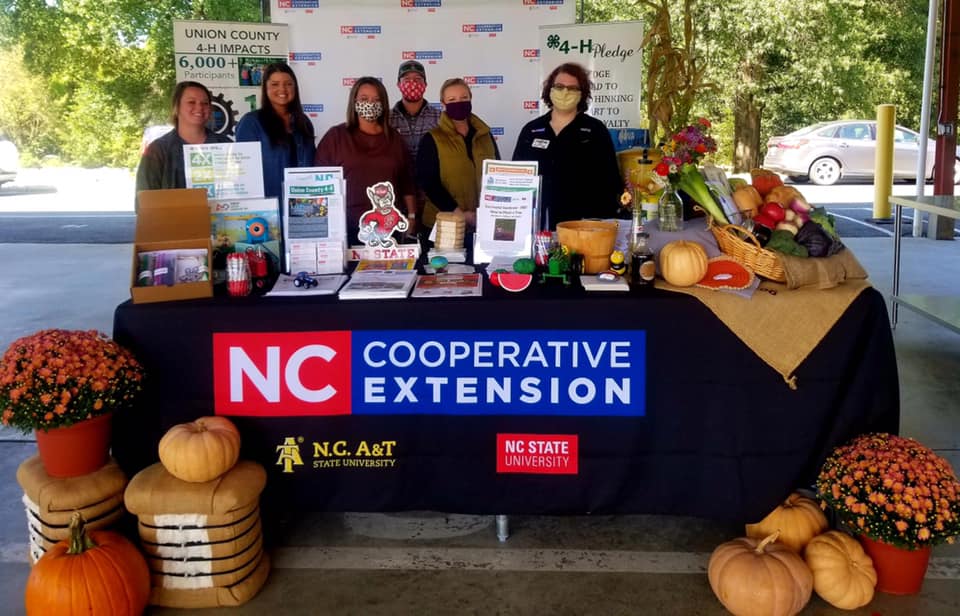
x: 493, y: 45
x: 227, y: 57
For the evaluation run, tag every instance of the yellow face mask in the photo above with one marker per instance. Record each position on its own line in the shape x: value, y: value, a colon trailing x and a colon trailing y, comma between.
x: 564, y: 100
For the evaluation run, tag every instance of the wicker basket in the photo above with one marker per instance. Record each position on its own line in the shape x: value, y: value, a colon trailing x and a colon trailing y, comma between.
x: 594, y: 239
x: 765, y: 263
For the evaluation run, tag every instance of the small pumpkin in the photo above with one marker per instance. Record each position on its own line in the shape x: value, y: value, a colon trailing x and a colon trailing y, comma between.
x: 843, y: 574
x: 799, y: 519
x: 92, y: 572
x: 683, y: 263
x: 751, y: 577
x: 200, y: 450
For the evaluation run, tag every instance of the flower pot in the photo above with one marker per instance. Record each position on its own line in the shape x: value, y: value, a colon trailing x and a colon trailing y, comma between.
x: 899, y: 571
x: 75, y: 450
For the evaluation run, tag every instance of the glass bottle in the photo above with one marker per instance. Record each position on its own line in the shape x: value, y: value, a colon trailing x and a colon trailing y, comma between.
x: 643, y: 269
x: 670, y: 210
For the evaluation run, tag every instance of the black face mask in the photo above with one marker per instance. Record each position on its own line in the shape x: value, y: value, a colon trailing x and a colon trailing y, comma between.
x: 459, y: 110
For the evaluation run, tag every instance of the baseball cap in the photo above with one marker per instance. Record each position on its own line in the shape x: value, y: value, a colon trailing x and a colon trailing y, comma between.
x: 411, y: 65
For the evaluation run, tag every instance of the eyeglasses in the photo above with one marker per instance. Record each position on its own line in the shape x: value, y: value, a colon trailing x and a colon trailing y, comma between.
x: 559, y: 87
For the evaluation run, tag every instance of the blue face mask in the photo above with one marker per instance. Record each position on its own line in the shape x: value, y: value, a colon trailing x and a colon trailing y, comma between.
x: 459, y: 110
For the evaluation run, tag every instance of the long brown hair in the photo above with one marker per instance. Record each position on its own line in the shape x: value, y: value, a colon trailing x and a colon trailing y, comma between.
x: 272, y: 123
x: 353, y: 120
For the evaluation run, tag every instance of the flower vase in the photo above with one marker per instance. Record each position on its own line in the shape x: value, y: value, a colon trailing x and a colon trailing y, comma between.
x: 899, y: 571
x: 75, y: 450
x: 670, y: 210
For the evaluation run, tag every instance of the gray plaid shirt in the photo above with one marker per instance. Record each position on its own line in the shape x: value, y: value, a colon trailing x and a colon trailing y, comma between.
x: 413, y: 128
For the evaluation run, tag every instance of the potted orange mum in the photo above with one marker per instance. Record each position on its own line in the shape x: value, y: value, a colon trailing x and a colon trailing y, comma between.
x: 64, y: 385
x: 899, y: 496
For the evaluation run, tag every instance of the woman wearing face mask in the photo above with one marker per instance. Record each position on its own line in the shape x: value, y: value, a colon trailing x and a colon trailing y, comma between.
x: 369, y: 151
x: 284, y: 131
x: 161, y: 165
x: 578, y: 164
x: 450, y: 157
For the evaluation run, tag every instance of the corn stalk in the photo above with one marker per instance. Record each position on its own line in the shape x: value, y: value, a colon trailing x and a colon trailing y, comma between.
x: 675, y: 74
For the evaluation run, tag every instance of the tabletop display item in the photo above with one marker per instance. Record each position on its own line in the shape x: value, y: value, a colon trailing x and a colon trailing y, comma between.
x: 239, y: 283
x: 677, y: 170
x: 378, y: 224
x: 64, y: 385
x: 900, y: 497
x: 725, y: 272
x: 451, y: 230
x: 594, y: 239
x: 683, y: 263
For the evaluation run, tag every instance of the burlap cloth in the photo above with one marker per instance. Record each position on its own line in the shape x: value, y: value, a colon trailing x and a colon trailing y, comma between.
x: 783, y: 325
x: 154, y: 491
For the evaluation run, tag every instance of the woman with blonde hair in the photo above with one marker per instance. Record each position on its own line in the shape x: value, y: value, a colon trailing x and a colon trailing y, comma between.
x: 370, y: 151
x: 450, y: 157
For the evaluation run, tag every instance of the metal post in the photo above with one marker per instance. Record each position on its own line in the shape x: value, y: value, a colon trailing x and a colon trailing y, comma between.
x: 941, y: 227
x: 925, y: 113
x: 883, y: 163
x: 503, y: 528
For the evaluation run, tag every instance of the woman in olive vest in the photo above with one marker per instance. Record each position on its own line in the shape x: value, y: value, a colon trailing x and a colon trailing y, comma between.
x: 450, y: 157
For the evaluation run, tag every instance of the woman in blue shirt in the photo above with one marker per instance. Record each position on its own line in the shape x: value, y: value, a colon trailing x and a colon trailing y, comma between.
x: 284, y: 131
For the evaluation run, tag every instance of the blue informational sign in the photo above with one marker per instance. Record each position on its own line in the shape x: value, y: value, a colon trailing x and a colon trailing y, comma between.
x: 499, y: 372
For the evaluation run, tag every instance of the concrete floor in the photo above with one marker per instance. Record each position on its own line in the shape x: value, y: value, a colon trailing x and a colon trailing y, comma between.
x: 430, y: 563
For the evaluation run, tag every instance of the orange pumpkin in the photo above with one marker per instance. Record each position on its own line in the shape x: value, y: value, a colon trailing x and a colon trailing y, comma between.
x: 683, y: 263
x: 200, y: 450
x: 843, y: 574
x: 759, y: 578
x: 765, y: 181
x: 799, y: 519
x: 95, y: 572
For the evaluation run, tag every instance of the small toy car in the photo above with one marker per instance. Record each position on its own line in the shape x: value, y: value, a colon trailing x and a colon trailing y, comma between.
x: 305, y: 280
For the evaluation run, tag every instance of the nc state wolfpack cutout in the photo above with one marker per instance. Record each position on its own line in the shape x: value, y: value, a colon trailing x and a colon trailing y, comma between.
x: 378, y: 224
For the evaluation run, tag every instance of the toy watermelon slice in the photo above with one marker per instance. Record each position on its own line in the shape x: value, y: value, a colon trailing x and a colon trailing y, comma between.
x: 514, y: 282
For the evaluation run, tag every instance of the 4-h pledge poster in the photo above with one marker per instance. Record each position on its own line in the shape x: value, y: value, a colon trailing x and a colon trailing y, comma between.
x: 494, y: 45
x: 228, y: 57
x: 613, y: 55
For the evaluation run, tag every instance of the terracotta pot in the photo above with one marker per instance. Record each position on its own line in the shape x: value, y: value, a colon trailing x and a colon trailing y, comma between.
x: 75, y: 450
x: 899, y: 571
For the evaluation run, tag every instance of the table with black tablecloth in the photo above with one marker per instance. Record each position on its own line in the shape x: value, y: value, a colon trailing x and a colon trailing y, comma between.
x: 720, y: 436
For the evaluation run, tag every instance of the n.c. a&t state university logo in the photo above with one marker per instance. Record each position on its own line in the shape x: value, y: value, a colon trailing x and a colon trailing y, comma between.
x: 289, y: 454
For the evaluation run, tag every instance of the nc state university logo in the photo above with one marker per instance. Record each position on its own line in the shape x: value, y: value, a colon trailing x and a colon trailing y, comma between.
x: 378, y: 223
x: 282, y: 374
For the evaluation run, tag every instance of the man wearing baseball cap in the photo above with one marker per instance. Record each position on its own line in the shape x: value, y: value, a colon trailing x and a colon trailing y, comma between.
x: 412, y: 116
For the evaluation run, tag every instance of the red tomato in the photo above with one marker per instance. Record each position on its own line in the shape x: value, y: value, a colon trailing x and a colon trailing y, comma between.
x: 773, y: 211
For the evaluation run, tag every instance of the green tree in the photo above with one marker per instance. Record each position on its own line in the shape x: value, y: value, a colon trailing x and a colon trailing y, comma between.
x: 26, y: 115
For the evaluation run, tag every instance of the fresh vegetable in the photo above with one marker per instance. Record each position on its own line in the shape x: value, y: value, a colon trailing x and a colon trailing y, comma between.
x: 799, y: 205
x: 789, y: 226
x: 782, y: 241
x: 784, y: 195
x: 766, y: 221
x: 691, y: 182
x: 683, y: 263
x: 843, y: 574
x: 765, y: 181
x: 773, y: 211
x: 759, y: 578
x: 747, y: 200
x: 816, y: 241
x: 736, y: 183
x: 820, y: 216
x: 798, y: 518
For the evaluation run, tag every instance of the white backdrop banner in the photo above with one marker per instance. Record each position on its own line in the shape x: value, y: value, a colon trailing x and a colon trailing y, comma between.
x: 612, y: 53
x: 228, y: 57
x: 493, y: 45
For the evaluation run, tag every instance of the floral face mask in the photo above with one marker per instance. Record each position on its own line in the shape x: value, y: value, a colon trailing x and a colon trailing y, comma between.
x: 369, y: 110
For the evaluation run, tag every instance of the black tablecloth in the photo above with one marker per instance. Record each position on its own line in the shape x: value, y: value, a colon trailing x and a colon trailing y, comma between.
x: 722, y: 435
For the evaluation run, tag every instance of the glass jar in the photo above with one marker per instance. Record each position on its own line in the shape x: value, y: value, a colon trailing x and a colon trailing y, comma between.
x: 670, y: 210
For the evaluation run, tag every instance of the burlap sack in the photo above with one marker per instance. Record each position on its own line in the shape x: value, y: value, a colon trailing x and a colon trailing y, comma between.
x: 54, y: 495
x: 209, y: 573
x: 187, y: 549
x: 155, y: 491
x: 173, y: 527
x: 41, y: 536
x: 61, y: 519
x: 227, y: 596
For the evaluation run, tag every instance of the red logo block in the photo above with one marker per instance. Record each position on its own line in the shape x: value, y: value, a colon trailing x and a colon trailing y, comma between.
x: 282, y: 374
x: 541, y: 454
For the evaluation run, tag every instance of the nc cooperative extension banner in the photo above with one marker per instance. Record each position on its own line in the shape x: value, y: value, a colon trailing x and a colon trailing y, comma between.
x: 493, y: 45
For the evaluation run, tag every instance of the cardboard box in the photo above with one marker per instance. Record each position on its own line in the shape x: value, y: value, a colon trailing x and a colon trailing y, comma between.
x: 168, y: 220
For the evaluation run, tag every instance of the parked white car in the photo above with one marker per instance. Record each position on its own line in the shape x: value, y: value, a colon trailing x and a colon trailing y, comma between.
x: 9, y: 161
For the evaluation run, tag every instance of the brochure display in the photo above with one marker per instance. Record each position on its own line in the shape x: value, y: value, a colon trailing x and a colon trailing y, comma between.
x: 509, y: 198
x: 224, y: 170
x: 314, y: 219
x: 238, y: 225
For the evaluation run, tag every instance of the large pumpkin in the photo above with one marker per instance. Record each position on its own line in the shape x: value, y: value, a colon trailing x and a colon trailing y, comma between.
x: 95, y: 572
x: 843, y: 574
x: 799, y: 519
x: 759, y: 578
x: 683, y: 263
x: 200, y: 450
